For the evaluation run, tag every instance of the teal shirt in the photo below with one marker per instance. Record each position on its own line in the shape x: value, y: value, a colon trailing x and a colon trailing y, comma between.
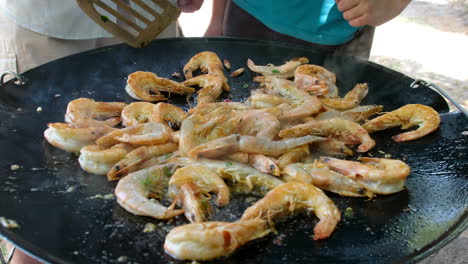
x: 317, y: 21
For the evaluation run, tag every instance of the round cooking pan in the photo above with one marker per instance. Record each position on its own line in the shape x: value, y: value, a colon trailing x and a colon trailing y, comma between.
x: 62, y: 221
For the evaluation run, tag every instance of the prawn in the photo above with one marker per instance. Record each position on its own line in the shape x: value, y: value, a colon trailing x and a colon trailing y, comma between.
x: 293, y: 155
x: 299, y: 102
x: 352, y: 99
x: 288, y: 197
x: 347, y: 131
x: 164, y: 113
x: 264, y: 164
x: 208, y: 62
x: 261, y: 100
x: 425, y: 117
x: 249, y: 144
x: 316, y: 80
x: 319, y: 175
x: 378, y: 175
x: 98, y: 160
x: 139, y: 134
x: 284, y: 71
x: 84, y: 112
x: 133, y: 160
x: 210, y: 240
x: 260, y: 124
x: 147, y: 86
x: 71, y: 138
x: 212, y: 87
x: 357, y: 114
x: 133, y: 192
x: 137, y: 113
x: 333, y: 146
x: 191, y: 185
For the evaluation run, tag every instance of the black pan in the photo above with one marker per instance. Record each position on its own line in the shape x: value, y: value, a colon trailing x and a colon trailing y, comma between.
x: 50, y: 196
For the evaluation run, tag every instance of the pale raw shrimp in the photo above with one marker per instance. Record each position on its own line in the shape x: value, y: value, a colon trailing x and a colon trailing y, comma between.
x: 98, y: 160
x: 147, y: 86
x: 139, y: 134
x: 352, y: 99
x: 212, y: 87
x: 138, y: 192
x: 86, y: 112
x: 264, y: 164
x: 243, y: 178
x: 319, y: 175
x: 315, y: 79
x: 293, y: 155
x: 283, y: 71
x: 300, y: 103
x: 259, y: 124
x: 250, y: 144
x: 288, y: 197
x: 378, y: 175
x: 357, y: 114
x: 208, y: 62
x: 164, y: 113
x: 407, y: 116
x: 133, y: 160
x: 73, y: 139
x: 333, y: 146
x: 137, y: 113
x: 344, y: 130
x: 210, y: 240
x: 191, y: 186
x: 262, y: 100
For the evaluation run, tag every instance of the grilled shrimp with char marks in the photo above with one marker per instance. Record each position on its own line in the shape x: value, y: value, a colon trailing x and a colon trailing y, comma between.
x: 407, y: 116
x: 288, y: 197
x: 147, y: 86
x: 134, y: 192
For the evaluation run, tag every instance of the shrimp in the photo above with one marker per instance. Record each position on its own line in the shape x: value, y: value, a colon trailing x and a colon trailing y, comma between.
x: 256, y: 145
x: 293, y: 155
x: 133, y: 192
x: 347, y: 131
x: 300, y: 103
x: 190, y: 185
x: 98, y: 160
x: 264, y: 164
x: 137, y: 113
x: 164, y: 113
x: 259, y: 124
x: 86, y: 112
x: 261, y: 100
x: 352, y: 99
x: 357, y: 114
x: 140, y: 134
x: 407, y: 116
x: 333, y: 146
x: 319, y: 175
x: 284, y: 71
x: 73, y: 139
x: 210, y: 240
x: 212, y: 87
x: 208, y: 62
x: 378, y: 175
x: 315, y: 79
x: 147, y: 86
x: 133, y: 160
x: 290, y: 196
x: 243, y: 178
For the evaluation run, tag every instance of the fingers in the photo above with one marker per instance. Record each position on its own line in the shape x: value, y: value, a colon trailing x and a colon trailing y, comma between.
x: 344, y: 5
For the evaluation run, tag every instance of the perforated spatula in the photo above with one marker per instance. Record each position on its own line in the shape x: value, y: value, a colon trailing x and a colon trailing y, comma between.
x: 136, y: 22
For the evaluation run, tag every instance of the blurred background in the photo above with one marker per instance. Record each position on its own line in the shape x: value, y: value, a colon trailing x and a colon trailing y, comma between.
x: 428, y: 41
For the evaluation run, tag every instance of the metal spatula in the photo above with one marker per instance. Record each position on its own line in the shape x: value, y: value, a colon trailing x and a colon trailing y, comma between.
x: 136, y: 22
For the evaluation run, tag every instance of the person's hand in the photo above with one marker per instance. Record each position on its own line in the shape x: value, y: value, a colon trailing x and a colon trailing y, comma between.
x: 370, y: 12
x: 189, y: 6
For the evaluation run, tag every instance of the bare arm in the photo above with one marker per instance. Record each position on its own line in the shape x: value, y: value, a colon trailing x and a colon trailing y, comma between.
x: 189, y: 6
x: 370, y: 12
x: 215, y: 28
